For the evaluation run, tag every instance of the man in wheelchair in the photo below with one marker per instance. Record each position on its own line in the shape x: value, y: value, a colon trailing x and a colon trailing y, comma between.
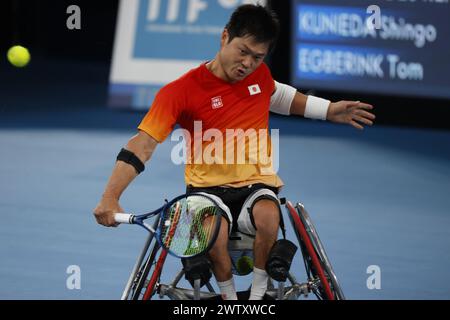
x: 233, y: 91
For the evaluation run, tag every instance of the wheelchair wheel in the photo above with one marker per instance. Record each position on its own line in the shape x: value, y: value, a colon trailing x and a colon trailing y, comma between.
x: 323, y: 280
x: 146, y: 278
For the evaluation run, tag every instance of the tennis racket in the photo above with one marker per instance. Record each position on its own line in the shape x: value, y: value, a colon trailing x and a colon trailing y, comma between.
x: 188, y: 225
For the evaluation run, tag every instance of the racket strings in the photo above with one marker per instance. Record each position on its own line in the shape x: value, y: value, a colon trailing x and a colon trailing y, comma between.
x: 189, y: 225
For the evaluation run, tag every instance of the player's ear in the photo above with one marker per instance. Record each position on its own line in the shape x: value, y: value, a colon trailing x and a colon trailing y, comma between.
x: 224, y: 38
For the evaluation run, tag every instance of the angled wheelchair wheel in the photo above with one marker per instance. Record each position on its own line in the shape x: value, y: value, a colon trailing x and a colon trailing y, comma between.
x: 144, y: 286
x: 144, y: 279
x: 138, y: 282
x: 320, y: 273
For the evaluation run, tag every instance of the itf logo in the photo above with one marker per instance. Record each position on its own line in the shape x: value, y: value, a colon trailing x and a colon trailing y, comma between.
x: 192, y: 10
x: 181, y: 29
x: 194, y: 7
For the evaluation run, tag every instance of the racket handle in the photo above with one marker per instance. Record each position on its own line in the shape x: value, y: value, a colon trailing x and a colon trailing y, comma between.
x: 124, y: 218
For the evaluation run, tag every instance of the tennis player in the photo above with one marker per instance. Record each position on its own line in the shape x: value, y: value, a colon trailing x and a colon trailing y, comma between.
x: 233, y: 91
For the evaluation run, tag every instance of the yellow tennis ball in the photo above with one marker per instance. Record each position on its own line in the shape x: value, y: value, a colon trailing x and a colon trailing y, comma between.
x: 244, y: 265
x: 19, y: 56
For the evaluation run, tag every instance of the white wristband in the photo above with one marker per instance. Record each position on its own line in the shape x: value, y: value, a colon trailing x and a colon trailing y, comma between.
x: 316, y: 108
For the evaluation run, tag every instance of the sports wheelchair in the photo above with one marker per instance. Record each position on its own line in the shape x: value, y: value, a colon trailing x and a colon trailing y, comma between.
x: 145, y: 283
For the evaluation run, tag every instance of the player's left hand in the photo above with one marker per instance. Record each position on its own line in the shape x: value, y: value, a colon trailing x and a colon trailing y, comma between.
x: 354, y: 113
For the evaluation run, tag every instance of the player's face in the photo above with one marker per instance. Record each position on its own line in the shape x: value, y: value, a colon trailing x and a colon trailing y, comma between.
x: 241, y: 56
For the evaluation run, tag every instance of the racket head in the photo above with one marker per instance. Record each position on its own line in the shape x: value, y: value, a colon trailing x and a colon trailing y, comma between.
x: 189, y: 225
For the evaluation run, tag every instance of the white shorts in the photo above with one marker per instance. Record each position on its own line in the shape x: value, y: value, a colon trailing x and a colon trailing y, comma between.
x: 245, y: 222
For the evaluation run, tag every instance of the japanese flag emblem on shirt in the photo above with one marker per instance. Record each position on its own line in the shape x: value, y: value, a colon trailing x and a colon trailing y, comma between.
x: 254, y: 89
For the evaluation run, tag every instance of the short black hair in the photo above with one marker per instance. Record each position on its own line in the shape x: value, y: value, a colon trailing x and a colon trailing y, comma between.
x: 256, y: 21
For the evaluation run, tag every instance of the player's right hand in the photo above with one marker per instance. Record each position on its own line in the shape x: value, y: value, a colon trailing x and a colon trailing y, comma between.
x: 105, y: 211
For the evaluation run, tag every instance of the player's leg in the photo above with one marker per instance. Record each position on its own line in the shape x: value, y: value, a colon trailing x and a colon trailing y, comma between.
x: 266, y: 215
x: 218, y: 254
x: 221, y: 263
x: 260, y: 216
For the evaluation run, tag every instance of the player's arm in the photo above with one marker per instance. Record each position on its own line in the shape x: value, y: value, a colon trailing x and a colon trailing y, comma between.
x: 131, y: 162
x: 287, y: 100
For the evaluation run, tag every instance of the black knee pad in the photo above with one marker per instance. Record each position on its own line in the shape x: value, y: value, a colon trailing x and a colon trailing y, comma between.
x: 280, y: 259
x: 197, y: 268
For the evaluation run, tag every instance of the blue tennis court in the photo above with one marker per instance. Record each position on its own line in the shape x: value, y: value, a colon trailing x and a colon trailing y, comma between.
x: 377, y: 197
